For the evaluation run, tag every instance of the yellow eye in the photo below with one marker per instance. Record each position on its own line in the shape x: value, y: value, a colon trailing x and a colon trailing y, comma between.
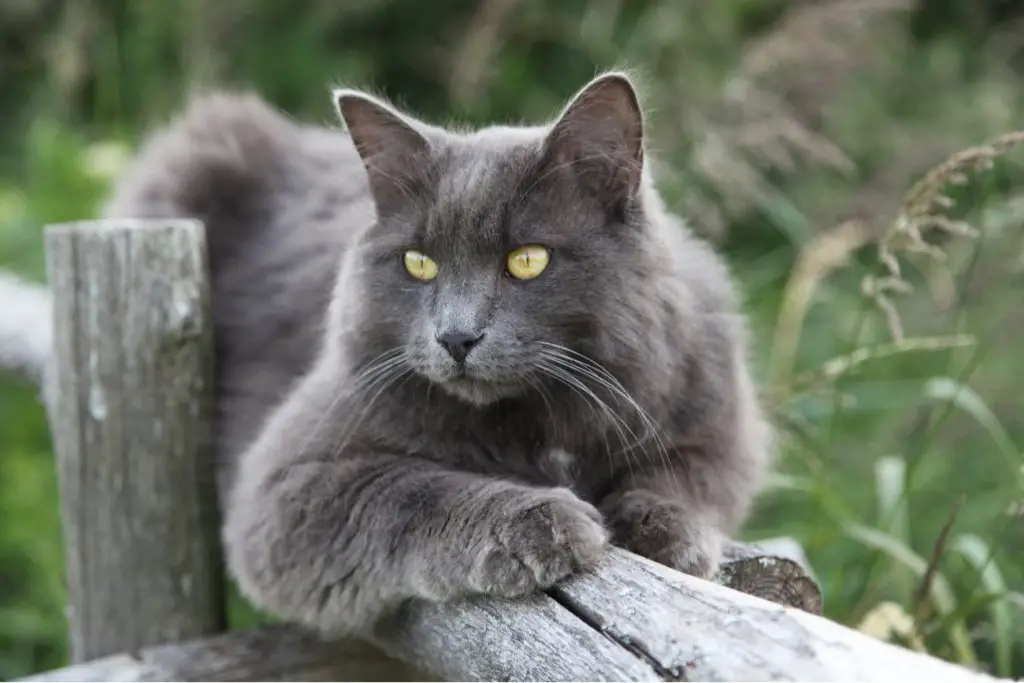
x: 526, y: 263
x: 419, y: 265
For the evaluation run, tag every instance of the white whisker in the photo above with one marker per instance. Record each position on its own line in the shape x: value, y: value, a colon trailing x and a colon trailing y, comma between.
x: 580, y: 364
x: 343, y: 392
x: 552, y: 368
x: 379, y: 375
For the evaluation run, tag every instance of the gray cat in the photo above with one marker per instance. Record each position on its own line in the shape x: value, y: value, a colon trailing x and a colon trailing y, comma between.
x: 455, y: 362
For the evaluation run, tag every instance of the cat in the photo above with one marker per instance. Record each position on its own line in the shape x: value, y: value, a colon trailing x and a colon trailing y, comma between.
x: 455, y: 362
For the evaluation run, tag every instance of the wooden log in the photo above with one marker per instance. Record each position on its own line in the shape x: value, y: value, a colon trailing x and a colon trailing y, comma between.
x: 652, y: 624
x: 775, y: 569
x: 631, y: 620
x: 289, y: 653
x: 129, y: 410
x: 277, y: 653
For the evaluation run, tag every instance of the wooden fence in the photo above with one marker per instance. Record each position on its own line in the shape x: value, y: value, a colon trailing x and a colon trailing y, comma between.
x: 121, y: 347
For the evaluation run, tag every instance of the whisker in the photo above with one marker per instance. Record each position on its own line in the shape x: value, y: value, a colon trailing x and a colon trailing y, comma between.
x: 547, y: 399
x: 343, y: 392
x: 594, y: 371
x: 568, y: 369
x: 383, y: 376
x: 565, y: 376
x: 561, y: 377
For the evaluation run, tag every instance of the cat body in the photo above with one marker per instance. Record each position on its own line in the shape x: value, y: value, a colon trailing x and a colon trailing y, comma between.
x: 454, y: 362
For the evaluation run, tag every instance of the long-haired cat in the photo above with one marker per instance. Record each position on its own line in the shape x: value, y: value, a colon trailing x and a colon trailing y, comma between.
x: 455, y: 362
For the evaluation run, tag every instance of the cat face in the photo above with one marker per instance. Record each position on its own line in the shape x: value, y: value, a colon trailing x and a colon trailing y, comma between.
x: 499, y: 254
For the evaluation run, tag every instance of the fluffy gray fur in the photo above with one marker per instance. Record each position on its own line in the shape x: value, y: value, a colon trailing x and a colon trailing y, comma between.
x: 609, y: 399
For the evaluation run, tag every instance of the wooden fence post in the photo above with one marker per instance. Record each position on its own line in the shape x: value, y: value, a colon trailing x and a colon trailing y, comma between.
x: 129, y: 403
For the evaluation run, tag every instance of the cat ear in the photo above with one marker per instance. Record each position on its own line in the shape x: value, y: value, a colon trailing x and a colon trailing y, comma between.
x: 599, y: 137
x: 387, y: 141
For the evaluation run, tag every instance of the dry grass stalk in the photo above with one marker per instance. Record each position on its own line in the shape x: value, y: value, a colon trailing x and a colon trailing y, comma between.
x: 824, y: 31
x: 921, y: 605
x: 474, y: 60
x: 836, y: 367
x: 920, y: 213
x: 824, y: 253
x: 763, y: 118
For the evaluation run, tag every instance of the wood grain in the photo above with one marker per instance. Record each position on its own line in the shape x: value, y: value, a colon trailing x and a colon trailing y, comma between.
x: 631, y: 620
x: 129, y: 410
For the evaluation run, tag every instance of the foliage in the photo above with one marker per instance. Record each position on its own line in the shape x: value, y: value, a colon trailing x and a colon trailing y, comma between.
x: 792, y: 133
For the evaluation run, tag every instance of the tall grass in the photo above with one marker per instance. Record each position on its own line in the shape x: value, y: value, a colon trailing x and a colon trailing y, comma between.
x: 925, y: 612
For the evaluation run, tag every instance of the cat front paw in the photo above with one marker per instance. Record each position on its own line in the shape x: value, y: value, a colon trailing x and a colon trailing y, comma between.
x: 665, y: 531
x: 538, y: 540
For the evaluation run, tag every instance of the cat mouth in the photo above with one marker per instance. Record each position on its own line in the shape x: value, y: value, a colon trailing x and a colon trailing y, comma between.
x: 478, y: 390
x: 461, y: 373
x: 461, y: 378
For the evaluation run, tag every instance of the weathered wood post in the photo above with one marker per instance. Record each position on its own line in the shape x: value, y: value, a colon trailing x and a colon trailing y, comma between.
x: 129, y: 402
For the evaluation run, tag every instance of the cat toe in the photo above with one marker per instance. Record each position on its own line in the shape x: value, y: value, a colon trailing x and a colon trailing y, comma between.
x: 544, y: 542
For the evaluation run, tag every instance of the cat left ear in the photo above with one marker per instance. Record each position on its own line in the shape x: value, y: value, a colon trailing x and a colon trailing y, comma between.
x: 599, y: 137
x: 387, y: 141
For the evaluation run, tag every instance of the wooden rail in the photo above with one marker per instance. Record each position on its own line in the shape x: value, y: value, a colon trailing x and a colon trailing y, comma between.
x: 123, y: 349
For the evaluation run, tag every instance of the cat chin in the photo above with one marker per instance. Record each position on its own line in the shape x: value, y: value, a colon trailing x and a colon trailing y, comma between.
x: 479, y: 392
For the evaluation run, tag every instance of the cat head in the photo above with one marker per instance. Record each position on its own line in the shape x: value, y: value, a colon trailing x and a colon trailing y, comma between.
x: 498, y: 253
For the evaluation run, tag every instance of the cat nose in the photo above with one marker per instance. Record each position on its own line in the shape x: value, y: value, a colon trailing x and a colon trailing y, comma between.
x: 459, y: 344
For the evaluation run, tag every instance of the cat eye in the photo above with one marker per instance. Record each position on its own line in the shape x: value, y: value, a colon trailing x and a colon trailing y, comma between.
x: 526, y: 263
x: 419, y: 265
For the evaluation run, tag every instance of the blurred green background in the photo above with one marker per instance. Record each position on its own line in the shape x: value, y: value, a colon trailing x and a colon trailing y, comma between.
x: 787, y: 130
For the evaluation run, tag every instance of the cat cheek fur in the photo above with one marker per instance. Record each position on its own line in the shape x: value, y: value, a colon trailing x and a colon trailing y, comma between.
x: 612, y: 395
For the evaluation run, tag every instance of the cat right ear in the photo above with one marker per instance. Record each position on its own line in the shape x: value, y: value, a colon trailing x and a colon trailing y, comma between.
x: 600, y: 138
x: 388, y: 143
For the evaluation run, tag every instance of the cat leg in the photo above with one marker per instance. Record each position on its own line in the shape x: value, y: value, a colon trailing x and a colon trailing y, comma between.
x: 334, y: 540
x: 680, y: 511
x: 683, y: 494
x: 335, y: 545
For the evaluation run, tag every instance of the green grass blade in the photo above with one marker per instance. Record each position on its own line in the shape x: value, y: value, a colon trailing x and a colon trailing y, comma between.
x: 979, y: 554
x: 890, y: 485
x: 891, y: 500
x: 965, y: 398
x: 940, y: 592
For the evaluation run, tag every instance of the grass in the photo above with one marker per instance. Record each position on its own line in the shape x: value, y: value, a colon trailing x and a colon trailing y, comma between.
x: 945, y: 595
x: 852, y: 158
